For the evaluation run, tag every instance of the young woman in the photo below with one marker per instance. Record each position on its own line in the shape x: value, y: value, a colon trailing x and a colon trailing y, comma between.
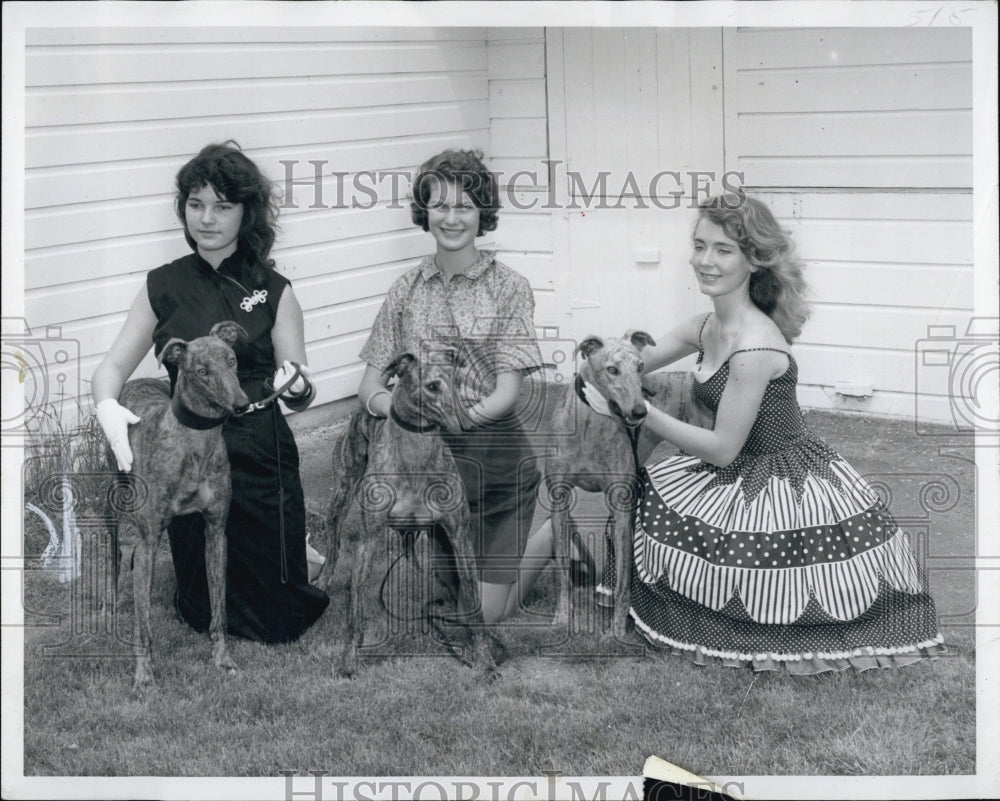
x: 462, y: 291
x: 759, y: 545
x: 225, y: 205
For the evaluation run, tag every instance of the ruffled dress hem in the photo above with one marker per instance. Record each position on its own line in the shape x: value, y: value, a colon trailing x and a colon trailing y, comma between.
x: 805, y: 664
x: 798, y: 664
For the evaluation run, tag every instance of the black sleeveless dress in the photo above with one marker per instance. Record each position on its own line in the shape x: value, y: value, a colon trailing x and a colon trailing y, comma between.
x: 785, y: 559
x: 268, y: 595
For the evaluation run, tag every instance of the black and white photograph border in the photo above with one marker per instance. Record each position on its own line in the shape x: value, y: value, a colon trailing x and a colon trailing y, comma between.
x: 622, y: 195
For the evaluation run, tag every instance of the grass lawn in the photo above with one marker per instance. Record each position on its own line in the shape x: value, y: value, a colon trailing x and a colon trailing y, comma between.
x: 579, y: 703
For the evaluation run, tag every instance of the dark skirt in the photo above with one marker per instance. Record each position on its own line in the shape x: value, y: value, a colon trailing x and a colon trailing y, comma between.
x: 497, y: 467
x: 268, y: 594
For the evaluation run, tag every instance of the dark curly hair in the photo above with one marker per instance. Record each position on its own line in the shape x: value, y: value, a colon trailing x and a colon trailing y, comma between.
x: 464, y: 168
x: 234, y: 177
x: 777, y: 287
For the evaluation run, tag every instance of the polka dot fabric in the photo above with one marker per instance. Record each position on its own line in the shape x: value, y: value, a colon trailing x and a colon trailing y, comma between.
x: 786, y: 559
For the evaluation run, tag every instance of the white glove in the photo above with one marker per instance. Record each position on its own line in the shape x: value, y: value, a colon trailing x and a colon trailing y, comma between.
x: 115, y: 420
x: 596, y: 400
x: 285, y: 372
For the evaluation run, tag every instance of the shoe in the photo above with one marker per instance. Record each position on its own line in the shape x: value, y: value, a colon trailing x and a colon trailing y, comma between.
x: 315, y: 561
x: 583, y: 571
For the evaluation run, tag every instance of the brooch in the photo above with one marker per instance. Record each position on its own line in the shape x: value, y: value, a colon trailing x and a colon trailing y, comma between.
x: 259, y: 296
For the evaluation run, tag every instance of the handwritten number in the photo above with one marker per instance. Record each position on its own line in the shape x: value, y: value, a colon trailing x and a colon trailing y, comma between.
x: 918, y: 16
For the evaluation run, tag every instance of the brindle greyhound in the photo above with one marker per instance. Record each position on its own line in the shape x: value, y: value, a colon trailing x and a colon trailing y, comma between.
x: 601, y: 453
x: 399, y: 474
x: 180, y: 466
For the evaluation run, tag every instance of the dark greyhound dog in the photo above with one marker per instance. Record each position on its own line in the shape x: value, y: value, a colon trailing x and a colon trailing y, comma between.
x: 399, y: 474
x: 601, y: 453
x: 180, y: 466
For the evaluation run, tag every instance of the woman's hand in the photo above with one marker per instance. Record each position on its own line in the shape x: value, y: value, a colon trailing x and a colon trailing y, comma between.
x: 595, y: 400
x: 301, y: 392
x: 499, y: 404
x: 131, y: 344
x: 115, y: 420
x: 284, y: 375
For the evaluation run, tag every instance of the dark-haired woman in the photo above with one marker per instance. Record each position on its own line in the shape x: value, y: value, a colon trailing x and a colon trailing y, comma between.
x: 228, y: 213
x: 462, y: 291
x: 759, y: 545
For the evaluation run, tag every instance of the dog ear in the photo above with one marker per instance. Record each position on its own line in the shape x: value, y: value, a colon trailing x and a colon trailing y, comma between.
x: 228, y: 332
x: 641, y: 339
x: 589, y: 345
x: 172, y: 352
x: 401, y: 365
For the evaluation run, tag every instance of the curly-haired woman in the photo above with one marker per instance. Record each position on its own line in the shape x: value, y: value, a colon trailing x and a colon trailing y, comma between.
x: 228, y: 213
x: 464, y: 292
x: 760, y: 545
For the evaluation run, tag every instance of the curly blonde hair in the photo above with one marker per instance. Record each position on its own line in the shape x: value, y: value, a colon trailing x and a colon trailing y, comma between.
x: 777, y: 287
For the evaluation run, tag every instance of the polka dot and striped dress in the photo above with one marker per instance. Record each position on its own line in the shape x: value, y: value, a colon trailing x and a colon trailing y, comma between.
x: 786, y: 559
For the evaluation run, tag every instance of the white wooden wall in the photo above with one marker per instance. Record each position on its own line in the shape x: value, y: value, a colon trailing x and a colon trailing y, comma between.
x: 859, y: 138
x: 112, y: 113
x: 861, y: 141
x: 518, y: 152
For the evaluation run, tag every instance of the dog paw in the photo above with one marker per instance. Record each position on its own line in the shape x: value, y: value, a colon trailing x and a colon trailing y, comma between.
x: 348, y: 666
x: 143, y: 683
x: 490, y: 677
x: 223, y: 661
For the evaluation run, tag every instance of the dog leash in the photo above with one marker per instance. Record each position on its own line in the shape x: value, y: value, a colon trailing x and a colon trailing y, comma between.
x: 409, y: 537
x: 283, y: 571
x: 263, y: 403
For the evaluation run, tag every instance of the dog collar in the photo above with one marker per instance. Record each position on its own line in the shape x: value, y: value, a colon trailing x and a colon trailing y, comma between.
x: 189, y: 419
x: 406, y: 425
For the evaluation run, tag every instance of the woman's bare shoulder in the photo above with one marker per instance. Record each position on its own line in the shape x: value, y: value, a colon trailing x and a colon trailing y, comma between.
x: 762, y: 332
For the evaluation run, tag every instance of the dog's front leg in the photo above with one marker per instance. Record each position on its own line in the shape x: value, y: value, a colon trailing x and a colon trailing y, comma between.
x: 622, y: 537
x: 360, y: 571
x: 142, y: 589
x: 458, y: 530
x: 559, y: 501
x: 215, y: 568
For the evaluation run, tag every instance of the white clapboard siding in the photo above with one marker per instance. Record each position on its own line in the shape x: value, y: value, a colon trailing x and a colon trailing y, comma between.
x: 884, y: 268
x: 887, y: 107
x: 861, y: 142
x: 112, y: 114
x: 859, y: 139
x: 53, y: 186
x: 518, y: 153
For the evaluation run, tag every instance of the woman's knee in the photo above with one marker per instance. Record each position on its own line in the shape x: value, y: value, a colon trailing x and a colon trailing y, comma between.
x: 494, y: 600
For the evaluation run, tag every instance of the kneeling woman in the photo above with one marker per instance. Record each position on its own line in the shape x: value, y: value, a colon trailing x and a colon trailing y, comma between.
x: 226, y: 208
x: 464, y: 292
x: 760, y: 545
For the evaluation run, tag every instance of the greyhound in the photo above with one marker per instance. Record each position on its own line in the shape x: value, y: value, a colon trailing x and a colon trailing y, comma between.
x: 601, y: 453
x: 399, y: 473
x: 180, y: 467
